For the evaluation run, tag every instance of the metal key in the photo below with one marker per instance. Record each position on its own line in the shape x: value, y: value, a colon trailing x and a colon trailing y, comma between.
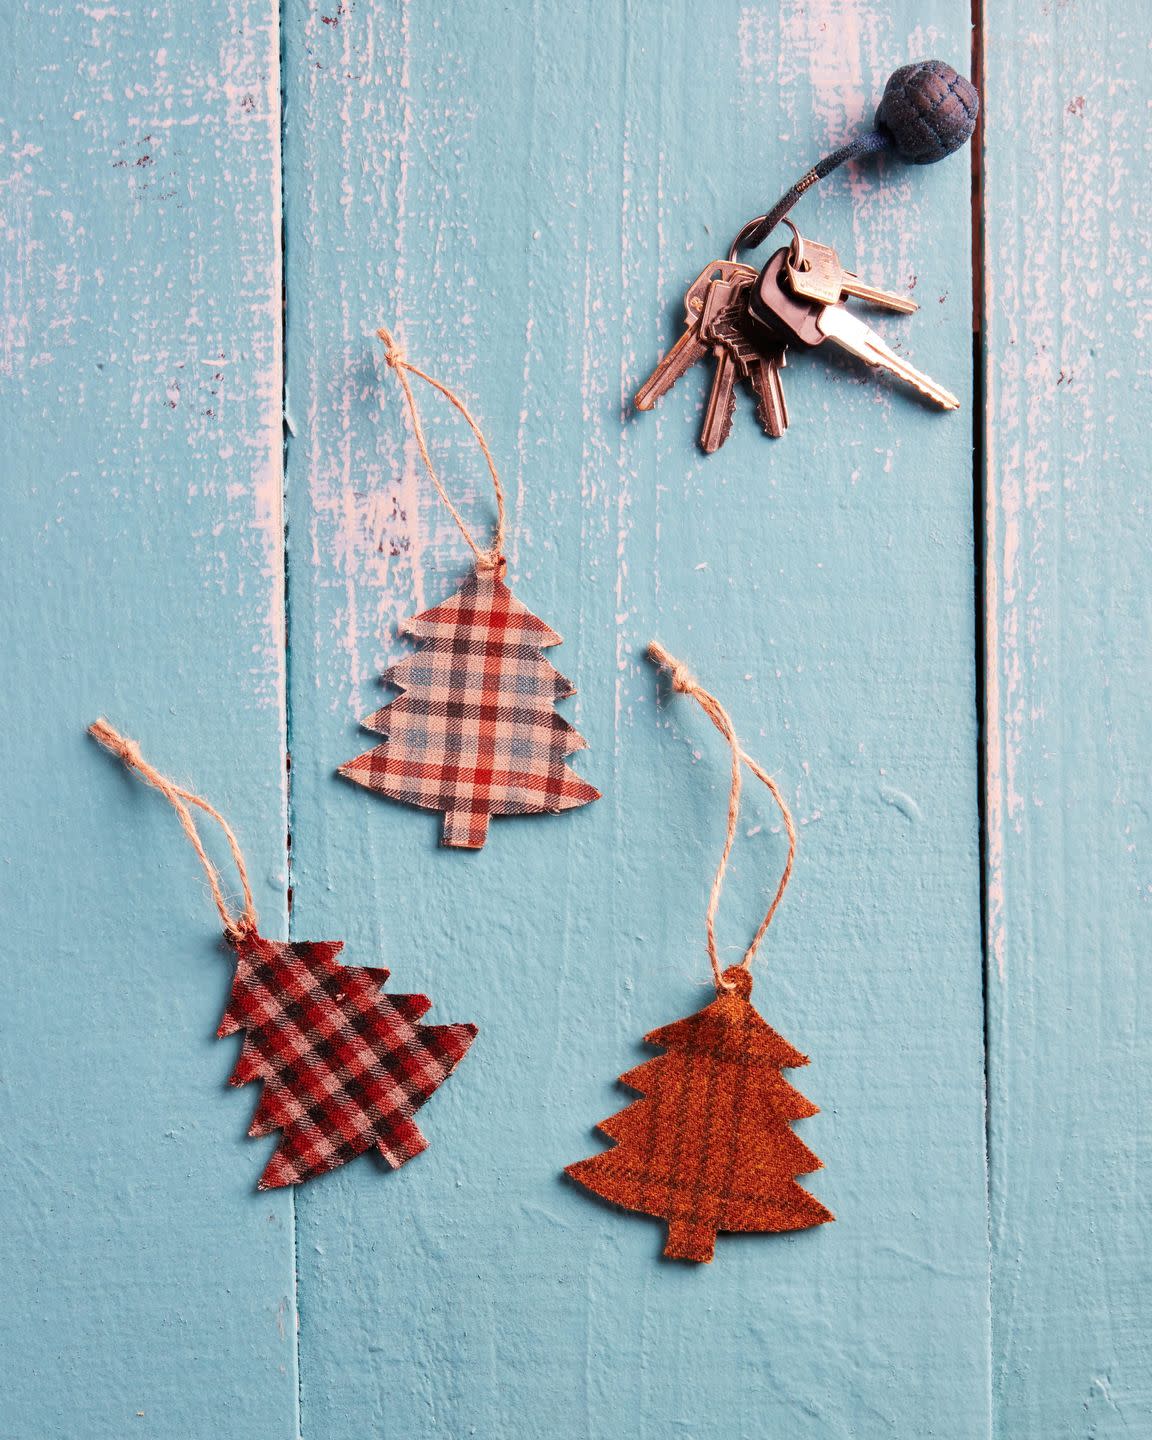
x: 720, y: 323
x: 851, y: 334
x: 724, y: 296
x: 760, y: 365
x: 690, y: 347
x: 774, y: 310
x: 721, y: 407
x: 771, y: 406
x: 814, y: 272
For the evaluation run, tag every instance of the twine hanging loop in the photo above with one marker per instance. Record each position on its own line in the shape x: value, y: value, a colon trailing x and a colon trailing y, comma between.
x: 236, y: 927
x: 492, y: 558
x: 685, y: 683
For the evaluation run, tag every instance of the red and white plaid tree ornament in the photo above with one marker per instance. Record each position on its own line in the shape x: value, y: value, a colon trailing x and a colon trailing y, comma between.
x: 345, y: 1067
x: 475, y: 732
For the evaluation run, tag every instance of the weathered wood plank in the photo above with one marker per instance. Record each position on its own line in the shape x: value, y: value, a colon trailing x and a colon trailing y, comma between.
x: 147, y: 1289
x: 1069, y: 228
x: 523, y: 190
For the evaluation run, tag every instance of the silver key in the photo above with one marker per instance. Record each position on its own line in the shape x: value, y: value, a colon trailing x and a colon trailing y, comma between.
x: 851, y: 334
x: 691, y: 347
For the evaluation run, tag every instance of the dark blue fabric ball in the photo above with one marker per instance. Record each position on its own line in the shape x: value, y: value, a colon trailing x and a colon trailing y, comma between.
x: 927, y: 111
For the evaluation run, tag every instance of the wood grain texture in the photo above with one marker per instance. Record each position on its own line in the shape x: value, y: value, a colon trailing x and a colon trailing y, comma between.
x: 1069, y: 226
x: 524, y: 192
x: 148, y: 1291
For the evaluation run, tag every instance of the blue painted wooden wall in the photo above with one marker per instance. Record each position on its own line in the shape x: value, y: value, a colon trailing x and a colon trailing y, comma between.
x: 932, y: 629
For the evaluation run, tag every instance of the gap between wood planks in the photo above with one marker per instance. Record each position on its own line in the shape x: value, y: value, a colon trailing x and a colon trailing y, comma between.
x: 286, y: 443
x: 979, y: 649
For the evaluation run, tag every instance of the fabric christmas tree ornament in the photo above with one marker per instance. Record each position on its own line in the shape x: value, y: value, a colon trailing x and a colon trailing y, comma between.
x: 710, y: 1146
x: 344, y: 1066
x: 475, y: 732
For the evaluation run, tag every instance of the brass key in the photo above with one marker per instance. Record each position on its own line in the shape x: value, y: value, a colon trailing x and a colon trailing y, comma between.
x: 717, y: 425
x: 691, y: 346
x: 758, y: 363
x: 814, y: 272
x: 771, y: 406
x: 722, y: 324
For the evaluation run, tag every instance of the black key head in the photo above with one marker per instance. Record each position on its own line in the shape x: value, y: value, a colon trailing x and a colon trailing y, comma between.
x: 774, y: 308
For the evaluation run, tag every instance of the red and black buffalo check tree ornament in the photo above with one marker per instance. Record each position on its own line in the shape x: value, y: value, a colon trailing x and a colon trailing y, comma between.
x: 710, y: 1146
x: 475, y: 732
x: 345, y: 1066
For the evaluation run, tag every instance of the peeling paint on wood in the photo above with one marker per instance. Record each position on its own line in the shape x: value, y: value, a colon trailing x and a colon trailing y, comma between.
x: 147, y: 1289
x: 525, y: 198
x: 1067, y: 677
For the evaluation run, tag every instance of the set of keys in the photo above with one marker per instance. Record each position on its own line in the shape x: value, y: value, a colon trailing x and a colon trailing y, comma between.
x: 747, y: 321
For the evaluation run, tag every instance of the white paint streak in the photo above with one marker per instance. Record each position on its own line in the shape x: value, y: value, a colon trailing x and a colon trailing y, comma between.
x: 376, y: 524
x: 255, y: 57
x: 623, y: 492
x: 17, y: 252
x: 1043, y: 440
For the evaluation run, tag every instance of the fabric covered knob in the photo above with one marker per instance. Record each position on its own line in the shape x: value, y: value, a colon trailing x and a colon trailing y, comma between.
x: 928, y: 111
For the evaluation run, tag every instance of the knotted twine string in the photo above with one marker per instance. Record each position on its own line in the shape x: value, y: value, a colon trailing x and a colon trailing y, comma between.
x: 236, y: 927
x: 686, y: 683
x: 490, y: 559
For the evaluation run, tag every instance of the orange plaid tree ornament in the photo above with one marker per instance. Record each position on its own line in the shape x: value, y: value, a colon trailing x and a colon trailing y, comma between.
x: 710, y: 1146
x: 475, y: 732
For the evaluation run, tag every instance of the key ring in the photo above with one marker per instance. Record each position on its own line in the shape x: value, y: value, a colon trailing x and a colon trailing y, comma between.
x: 796, y: 248
x: 796, y: 256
